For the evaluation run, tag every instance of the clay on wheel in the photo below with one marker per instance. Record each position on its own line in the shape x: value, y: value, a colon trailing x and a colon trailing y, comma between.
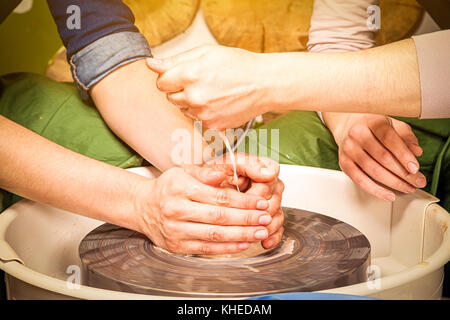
x: 254, y: 250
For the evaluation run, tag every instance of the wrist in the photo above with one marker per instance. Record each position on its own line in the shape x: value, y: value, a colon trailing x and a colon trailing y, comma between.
x: 339, y: 124
x: 129, y: 209
x: 144, y: 206
x: 286, y: 84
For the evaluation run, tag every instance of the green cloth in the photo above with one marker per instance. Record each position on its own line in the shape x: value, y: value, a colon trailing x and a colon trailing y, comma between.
x: 304, y: 140
x: 55, y: 111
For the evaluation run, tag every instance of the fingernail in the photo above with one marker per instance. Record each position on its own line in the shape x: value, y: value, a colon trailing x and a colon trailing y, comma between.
x: 243, y: 245
x: 267, y: 172
x: 421, y: 182
x: 265, y: 220
x: 262, y: 204
x: 390, y: 197
x: 261, y: 234
x: 412, y: 167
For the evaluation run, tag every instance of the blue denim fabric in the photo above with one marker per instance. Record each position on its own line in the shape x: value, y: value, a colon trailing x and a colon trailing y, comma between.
x: 98, y: 18
x: 107, y: 39
x: 98, y: 59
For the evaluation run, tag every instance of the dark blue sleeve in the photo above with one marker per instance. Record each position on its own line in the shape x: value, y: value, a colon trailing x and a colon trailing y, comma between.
x: 98, y: 18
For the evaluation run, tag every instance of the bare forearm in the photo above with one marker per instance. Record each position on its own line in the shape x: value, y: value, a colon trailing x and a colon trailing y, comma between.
x: 225, y: 87
x: 40, y: 170
x: 383, y: 80
x: 141, y: 115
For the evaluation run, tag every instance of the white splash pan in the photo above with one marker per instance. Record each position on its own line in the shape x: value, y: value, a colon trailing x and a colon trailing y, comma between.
x: 410, y: 239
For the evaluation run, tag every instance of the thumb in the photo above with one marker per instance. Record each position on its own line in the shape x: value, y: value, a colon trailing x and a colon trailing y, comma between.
x: 160, y: 65
x: 258, y: 169
x: 163, y: 65
x: 206, y: 175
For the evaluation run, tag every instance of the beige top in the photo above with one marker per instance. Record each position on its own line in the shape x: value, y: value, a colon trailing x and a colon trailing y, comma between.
x: 433, y: 54
x: 340, y: 26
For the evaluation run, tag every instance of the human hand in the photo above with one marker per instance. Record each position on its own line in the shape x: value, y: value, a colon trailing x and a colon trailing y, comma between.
x: 271, y: 191
x: 221, y: 86
x: 186, y: 211
x: 376, y: 148
x: 267, y: 186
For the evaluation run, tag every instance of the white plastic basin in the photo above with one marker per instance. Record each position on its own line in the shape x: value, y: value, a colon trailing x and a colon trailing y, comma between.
x: 410, y: 239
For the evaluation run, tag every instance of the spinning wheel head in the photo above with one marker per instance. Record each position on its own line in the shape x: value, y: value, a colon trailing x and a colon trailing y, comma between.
x: 316, y: 253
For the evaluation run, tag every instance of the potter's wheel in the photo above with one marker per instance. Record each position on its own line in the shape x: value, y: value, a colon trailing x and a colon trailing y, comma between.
x: 317, y: 253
